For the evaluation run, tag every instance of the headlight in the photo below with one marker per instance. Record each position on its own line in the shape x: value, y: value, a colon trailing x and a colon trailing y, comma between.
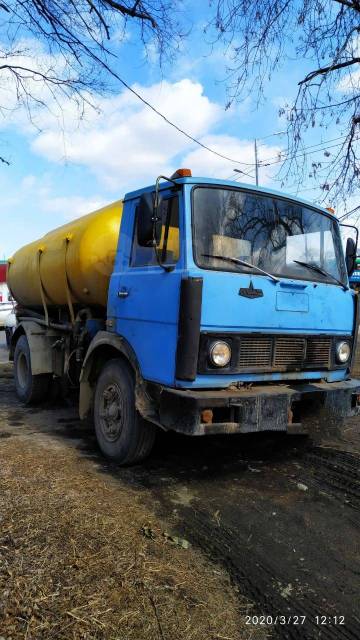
x: 343, y: 352
x: 220, y: 353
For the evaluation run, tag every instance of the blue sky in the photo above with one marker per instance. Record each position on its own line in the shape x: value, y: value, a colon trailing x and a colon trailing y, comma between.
x: 64, y: 168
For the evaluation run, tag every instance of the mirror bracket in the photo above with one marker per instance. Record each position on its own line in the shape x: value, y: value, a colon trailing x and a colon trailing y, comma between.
x: 351, y: 250
x: 148, y: 227
x: 156, y: 219
x: 351, y: 226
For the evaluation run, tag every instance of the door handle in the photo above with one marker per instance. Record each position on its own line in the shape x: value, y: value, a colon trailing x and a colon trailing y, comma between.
x: 123, y: 293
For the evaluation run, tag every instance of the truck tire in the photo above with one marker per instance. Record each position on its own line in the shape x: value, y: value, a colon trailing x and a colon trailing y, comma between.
x: 121, y: 432
x: 8, y: 335
x: 29, y: 389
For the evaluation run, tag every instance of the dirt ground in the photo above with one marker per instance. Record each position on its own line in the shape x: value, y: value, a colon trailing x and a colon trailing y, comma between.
x: 3, y: 349
x: 88, y: 550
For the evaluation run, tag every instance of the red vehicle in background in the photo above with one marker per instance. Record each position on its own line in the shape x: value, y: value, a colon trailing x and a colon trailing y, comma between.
x: 7, y: 316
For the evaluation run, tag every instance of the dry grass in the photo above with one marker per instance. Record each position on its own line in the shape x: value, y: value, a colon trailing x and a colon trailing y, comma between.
x: 74, y: 563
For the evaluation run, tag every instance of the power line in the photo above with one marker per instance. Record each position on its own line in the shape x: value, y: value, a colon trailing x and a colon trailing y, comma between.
x: 175, y: 126
x: 105, y: 66
x: 315, y: 148
x: 318, y: 144
x: 244, y: 173
x: 271, y: 135
x: 295, y: 193
x: 204, y: 146
x: 172, y: 124
x: 267, y: 162
x: 346, y: 215
x: 261, y: 163
x: 236, y: 177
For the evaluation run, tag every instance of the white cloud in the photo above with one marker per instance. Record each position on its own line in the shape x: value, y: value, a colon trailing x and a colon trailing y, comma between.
x: 71, y: 207
x: 121, y: 141
x: 119, y: 146
x: 204, y: 164
x: 57, y: 209
x: 126, y: 141
x: 349, y: 82
x: 127, y: 145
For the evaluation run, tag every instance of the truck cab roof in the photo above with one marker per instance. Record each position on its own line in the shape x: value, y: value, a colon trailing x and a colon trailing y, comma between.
x: 195, y: 180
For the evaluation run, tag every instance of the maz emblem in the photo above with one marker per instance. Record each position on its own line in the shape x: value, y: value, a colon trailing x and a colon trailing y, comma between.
x: 251, y: 292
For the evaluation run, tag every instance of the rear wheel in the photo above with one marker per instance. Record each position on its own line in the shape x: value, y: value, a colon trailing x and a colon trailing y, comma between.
x: 29, y: 388
x: 8, y: 335
x: 120, y: 431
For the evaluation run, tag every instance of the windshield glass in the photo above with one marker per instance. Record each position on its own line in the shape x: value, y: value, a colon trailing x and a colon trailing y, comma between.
x: 272, y: 233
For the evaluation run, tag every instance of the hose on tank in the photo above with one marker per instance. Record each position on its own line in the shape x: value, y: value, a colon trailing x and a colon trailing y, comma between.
x: 50, y: 325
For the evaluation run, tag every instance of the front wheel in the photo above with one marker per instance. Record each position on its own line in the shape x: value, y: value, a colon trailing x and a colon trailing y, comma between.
x: 120, y: 431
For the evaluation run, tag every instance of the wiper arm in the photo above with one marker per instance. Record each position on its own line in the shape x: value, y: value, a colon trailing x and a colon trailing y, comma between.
x: 314, y: 267
x: 243, y: 263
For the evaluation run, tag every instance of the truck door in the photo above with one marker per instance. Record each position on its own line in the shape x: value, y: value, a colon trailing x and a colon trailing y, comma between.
x: 143, y: 297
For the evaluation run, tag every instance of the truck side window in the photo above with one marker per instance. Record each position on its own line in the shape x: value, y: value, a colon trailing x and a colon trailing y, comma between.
x: 169, y: 247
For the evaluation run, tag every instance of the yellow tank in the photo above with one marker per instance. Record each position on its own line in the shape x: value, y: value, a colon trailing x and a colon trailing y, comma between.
x: 74, y: 260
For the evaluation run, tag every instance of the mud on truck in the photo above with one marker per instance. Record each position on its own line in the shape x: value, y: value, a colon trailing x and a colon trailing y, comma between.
x: 196, y: 305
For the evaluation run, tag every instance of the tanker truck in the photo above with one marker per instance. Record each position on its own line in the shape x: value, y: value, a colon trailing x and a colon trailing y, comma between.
x: 197, y: 305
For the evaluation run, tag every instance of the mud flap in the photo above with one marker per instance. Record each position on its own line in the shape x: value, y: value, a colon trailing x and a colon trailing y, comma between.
x: 262, y: 413
x: 339, y: 404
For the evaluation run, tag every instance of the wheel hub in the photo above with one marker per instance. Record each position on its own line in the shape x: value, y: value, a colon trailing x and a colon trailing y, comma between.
x: 111, y: 412
x: 22, y: 370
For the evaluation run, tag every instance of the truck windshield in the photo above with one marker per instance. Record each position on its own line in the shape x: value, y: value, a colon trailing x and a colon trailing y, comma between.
x: 279, y: 236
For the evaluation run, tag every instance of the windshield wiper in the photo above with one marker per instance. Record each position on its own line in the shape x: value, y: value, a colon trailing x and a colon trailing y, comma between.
x: 314, y: 267
x: 243, y: 263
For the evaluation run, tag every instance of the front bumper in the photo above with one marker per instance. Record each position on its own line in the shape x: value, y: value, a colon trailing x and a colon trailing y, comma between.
x: 281, y: 407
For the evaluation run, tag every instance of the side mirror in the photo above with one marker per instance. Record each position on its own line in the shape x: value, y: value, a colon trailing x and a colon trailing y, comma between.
x: 147, y: 228
x: 350, y: 255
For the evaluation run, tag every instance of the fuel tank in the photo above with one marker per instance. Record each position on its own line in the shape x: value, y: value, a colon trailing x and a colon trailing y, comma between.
x: 77, y: 258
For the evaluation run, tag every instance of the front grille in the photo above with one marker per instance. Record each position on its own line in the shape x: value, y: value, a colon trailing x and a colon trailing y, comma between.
x: 318, y: 351
x: 255, y: 352
x: 289, y: 352
x: 279, y: 353
x: 268, y: 353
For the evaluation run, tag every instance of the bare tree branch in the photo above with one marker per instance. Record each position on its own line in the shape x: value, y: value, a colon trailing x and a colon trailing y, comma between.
x: 329, y: 68
x: 101, y: 18
x: 352, y: 5
x: 258, y: 36
x: 133, y: 12
x: 55, y: 48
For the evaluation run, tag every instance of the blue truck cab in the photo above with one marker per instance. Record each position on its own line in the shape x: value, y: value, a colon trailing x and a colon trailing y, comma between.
x: 229, y: 311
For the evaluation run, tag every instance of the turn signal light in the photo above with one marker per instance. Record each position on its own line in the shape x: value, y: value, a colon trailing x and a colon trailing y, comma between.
x: 207, y: 416
x: 182, y: 173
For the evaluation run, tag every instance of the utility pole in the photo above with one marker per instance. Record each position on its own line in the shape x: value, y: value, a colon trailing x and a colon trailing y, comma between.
x: 256, y: 164
x: 256, y: 168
